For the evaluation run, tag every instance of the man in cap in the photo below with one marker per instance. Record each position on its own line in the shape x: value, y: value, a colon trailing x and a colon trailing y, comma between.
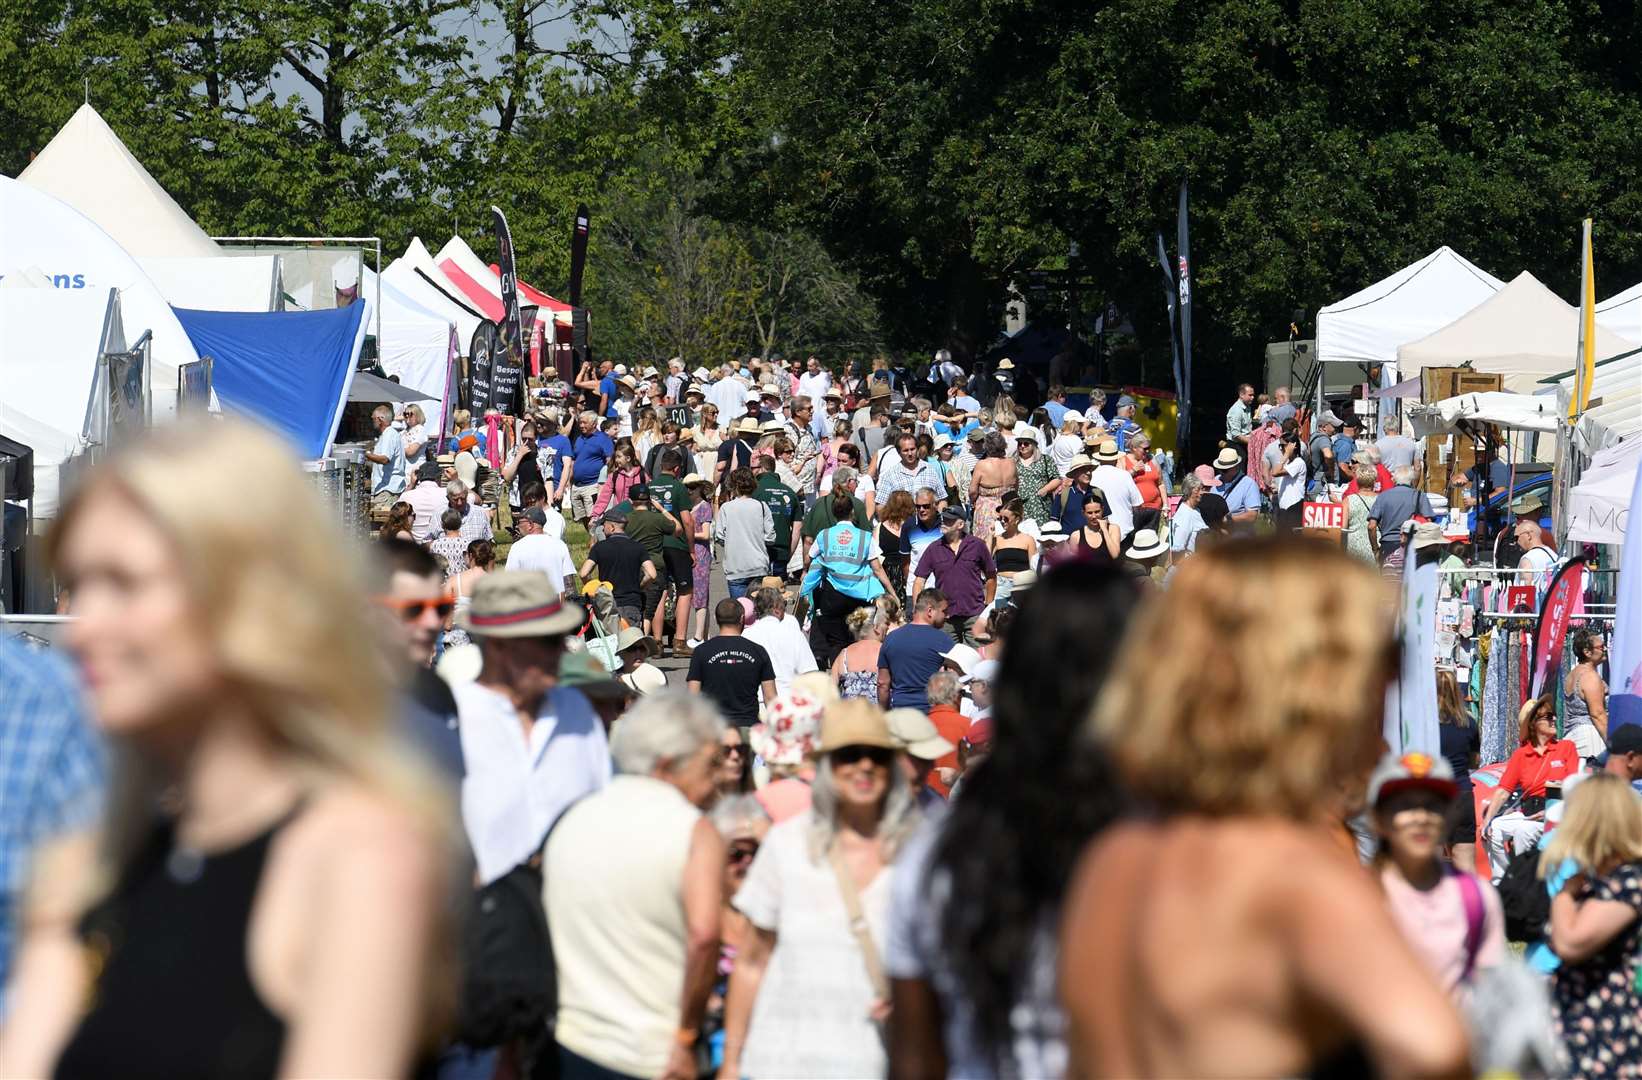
x: 624, y: 564
x: 827, y: 417
x: 1321, y: 464
x: 1123, y: 497
x: 1624, y: 755
x: 961, y: 567
x: 921, y: 745
x: 530, y: 746
x: 1123, y: 422
x: 536, y: 551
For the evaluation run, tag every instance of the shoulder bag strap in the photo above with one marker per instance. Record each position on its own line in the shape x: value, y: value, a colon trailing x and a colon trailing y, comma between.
x: 858, y: 923
x: 1475, y: 916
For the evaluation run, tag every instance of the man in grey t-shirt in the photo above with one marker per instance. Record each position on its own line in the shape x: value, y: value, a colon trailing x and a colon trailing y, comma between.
x: 1397, y: 451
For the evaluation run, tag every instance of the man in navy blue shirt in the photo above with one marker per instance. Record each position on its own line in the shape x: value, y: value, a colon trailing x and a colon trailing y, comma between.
x: 588, y: 455
x: 912, y: 654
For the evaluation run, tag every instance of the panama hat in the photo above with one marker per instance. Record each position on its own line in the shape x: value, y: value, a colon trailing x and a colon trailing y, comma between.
x: 1107, y: 452
x: 1148, y: 544
x: 632, y: 637
x: 854, y: 722
x: 693, y: 478
x: 1006, y: 364
x: 518, y: 603
x: 1080, y: 461
x: 1227, y: 459
x: 747, y: 426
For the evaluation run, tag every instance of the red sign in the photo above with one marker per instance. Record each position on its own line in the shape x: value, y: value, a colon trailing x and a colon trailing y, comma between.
x: 1323, y: 515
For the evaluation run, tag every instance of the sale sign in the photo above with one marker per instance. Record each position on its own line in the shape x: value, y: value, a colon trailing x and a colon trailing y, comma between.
x: 1323, y: 515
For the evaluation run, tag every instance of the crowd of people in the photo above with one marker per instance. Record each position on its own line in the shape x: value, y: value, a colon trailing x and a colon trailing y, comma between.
x: 998, y: 743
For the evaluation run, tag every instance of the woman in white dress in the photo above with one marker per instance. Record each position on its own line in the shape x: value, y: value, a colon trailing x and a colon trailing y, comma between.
x: 808, y: 996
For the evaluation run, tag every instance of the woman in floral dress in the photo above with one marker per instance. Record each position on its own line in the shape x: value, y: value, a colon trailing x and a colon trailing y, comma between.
x: 1596, y: 928
x: 1034, y: 471
x: 701, y: 549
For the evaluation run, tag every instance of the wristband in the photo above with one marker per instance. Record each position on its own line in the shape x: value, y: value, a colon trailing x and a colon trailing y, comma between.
x: 685, y: 1037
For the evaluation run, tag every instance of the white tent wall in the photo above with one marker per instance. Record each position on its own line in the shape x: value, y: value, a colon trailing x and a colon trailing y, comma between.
x: 40, y: 232
x: 50, y: 342
x: 415, y: 344
x: 457, y: 253
x: 1615, y: 409
x: 1621, y: 314
x: 1524, y: 332
x: 87, y: 166
x: 403, y: 275
x: 215, y: 283
x: 1599, y: 505
x: 1368, y: 326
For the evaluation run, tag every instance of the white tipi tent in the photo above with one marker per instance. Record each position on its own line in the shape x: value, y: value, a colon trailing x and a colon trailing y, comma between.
x: 1368, y: 326
x: 87, y: 166
x: 1524, y: 332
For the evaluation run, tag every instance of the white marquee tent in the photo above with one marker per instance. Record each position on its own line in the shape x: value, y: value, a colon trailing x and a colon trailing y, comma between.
x: 214, y: 283
x: 416, y: 344
x: 417, y: 276
x: 1368, y: 326
x: 87, y: 166
x: 38, y: 232
x: 1614, y: 411
x: 1524, y: 332
x: 1621, y: 314
x: 478, y: 282
x: 50, y: 342
x: 1599, y: 505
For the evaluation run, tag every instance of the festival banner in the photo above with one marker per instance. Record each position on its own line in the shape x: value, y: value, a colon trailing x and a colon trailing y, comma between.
x: 1411, y: 704
x: 481, y: 352
x: 1183, y: 251
x: 1560, y: 601
x: 451, y: 397
x: 1172, y: 296
x: 511, y: 347
x: 1585, y: 374
x: 578, y: 255
x: 1625, y: 651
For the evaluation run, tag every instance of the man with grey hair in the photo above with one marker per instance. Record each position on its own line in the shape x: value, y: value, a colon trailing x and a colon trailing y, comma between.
x: 1393, y: 508
x: 475, y: 518
x: 806, y: 462
x: 1397, y: 451
x: 387, y: 460
x: 946, y: 697
x: 639, y: 862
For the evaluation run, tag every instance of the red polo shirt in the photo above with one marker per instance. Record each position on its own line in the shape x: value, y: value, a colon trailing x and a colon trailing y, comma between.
x: 1532, y: 767
x: 953, y: 725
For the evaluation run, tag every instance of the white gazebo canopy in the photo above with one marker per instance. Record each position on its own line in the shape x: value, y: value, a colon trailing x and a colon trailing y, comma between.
x: 1368, y: 326
x: 87, y: 166
x: 1621, y: 314
x: 1524, y: 332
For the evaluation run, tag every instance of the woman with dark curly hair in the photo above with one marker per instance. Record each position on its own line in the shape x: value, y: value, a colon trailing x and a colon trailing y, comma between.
x: 974, y: 983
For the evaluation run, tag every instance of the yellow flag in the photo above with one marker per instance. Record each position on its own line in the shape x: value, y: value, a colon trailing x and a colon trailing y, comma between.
x: 1585, y: 372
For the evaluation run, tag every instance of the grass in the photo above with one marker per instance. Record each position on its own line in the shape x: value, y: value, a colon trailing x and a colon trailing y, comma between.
x: 578, y: 541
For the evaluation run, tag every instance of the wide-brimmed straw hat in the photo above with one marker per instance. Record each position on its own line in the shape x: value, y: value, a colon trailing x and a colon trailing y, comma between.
x: 1107, y: 452
x: 518, y: 603
x: 1148, y: 544
x: 854, y: 722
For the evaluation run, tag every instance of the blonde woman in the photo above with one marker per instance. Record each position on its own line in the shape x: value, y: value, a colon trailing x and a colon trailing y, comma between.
x: 416, y: 438
x: 269, y: 890
x: 646, y: 432
x: 856, y: 668
x: 1238, y: 874
x: 802, y: 1001
x: 1596, y: 927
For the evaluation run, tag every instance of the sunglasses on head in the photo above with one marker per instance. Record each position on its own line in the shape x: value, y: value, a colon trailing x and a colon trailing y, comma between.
x: 411, y: 610
x: 850, y: 755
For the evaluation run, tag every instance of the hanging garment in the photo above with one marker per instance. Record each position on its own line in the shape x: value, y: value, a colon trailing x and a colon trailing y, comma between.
x: 1497, y: 737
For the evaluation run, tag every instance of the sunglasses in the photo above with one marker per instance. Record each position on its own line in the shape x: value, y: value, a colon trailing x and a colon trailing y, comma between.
x: 724, y: 753
x: 742, y: 851
x: 851, y: 755
x: 411, y: 610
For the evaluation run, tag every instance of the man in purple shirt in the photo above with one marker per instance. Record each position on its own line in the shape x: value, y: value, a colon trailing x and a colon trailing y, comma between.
x: 961, y: 567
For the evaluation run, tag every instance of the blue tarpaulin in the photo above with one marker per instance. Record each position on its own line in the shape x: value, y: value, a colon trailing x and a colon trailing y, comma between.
x: 290, y: 369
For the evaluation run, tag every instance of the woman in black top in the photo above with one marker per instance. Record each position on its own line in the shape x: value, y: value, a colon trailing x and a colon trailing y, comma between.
x: 269, y: 891
x: 893, y: 519
x: 1460, y: 742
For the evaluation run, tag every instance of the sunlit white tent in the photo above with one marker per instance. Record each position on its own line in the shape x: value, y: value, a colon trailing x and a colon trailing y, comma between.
x: 1621, y: 314
x: 50, y: 342
x: 1614, y: 411
x: 415, y: 344
x: 415, y: 274
x: 1518, y: 412
x: 87, y: 166
x: 483, y: 287
x: 1524, y: 332
x: 215, y: 283
x: 38, y: 232
x: 1368, y: 326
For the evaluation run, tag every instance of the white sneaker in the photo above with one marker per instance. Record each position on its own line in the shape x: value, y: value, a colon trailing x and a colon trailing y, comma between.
x: 694, y: 643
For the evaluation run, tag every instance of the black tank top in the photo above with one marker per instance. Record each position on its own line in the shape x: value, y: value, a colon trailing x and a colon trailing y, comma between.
x: 1093, y: 546
x: 1011, y: 560
x: 173, y: 997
